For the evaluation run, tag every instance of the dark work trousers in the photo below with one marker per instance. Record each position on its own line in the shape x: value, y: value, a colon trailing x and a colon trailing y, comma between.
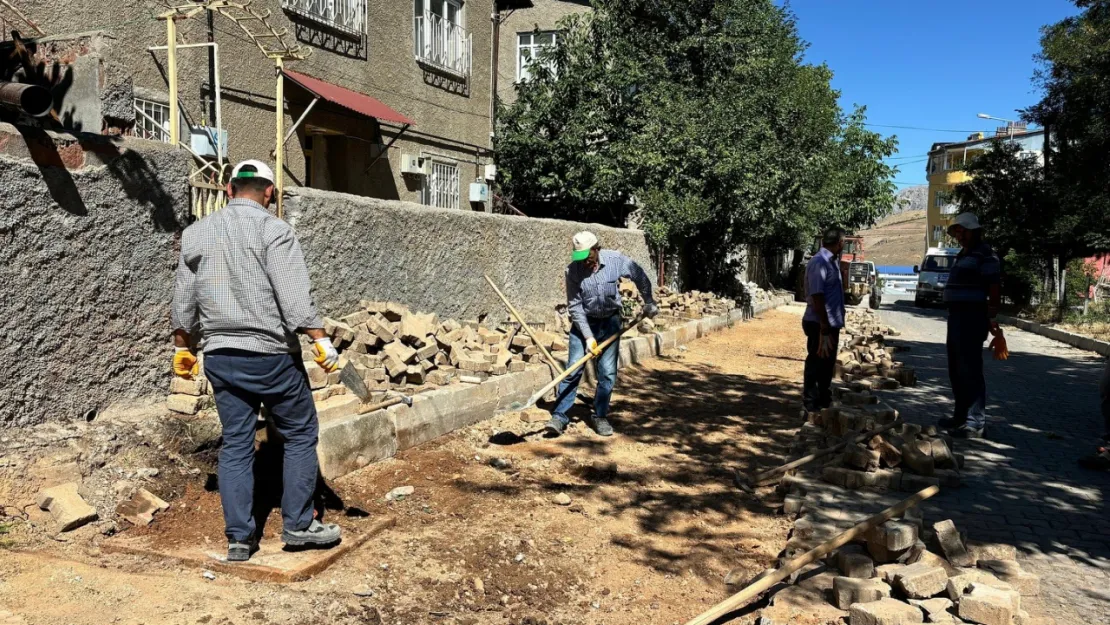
x: 968, y: 326
x: 242, y: 382
x: 1104, y: 394
x: 606, y: 368
x: 817, y: 385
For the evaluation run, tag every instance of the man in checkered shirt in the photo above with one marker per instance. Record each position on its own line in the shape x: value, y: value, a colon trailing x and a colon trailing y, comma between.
x: 594, y: 302
x: 242, y: 282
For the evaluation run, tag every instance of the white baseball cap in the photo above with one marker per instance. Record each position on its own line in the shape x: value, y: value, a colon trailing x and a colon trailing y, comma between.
x: 261, y: 170
x: 583, y: 242
x: 967, y: 221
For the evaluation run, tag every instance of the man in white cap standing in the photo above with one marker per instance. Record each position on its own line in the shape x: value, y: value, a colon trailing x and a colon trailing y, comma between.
x: 243, y: 281
x: 973, y: 296
x: 594, y: 303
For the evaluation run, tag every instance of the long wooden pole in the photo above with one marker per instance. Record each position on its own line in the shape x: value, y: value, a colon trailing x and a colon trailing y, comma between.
x: 739, y: 599
x: 768, y: 474
x: 171, y: 69
x: 527, y: 328
x: 578, y: 365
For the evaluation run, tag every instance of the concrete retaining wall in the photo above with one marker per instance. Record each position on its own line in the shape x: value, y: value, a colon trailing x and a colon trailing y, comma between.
x: 87, y: 250
x: 433, y: 259
x: 352, y: 442
x: 1070, y: 338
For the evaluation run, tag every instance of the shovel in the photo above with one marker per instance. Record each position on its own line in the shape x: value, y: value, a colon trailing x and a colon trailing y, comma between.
x: 581, y: 363
x: 354, y: 383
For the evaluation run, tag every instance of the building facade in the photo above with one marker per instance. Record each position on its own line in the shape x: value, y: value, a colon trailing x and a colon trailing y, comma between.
x: 526, y: 28
x: 945, y: 170
x: 392, y: 100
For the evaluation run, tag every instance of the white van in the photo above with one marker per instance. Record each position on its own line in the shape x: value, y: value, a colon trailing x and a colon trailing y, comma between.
x: 932, y: 275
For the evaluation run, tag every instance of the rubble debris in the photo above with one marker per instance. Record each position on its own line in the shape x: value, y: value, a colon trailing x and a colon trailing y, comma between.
x: 1009, y: 571
x: 884, y: 612
x: 141, y: 507
x: 951, y: 544
x: 988, y: 606
x: 562, y: 499
x: 400, y: 493
x: 849, y: 590
x: 67, y: 507
x: 921, y: 581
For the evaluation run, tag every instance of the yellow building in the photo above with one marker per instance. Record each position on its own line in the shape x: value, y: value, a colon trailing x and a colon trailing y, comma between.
x: 945, y: 171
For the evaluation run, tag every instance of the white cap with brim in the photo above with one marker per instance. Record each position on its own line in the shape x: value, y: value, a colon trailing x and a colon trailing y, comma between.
x: 261, y: 170
x: 967, y: 221
x: 583, y: 242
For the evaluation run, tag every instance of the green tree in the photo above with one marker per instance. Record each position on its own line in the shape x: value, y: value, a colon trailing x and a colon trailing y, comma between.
x: 701, y: 113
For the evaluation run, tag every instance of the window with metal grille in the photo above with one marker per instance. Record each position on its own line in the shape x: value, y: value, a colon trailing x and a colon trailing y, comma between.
x: 440, y: 38
x: 152, y: 120
x: 528, y: 47
x: 442, y: 189
x: 347, y: 16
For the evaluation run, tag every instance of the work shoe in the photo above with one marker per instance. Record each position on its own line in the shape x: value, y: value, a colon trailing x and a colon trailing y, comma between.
x: 241, y: 551
x: 1098, y: 461
x: 950, y: 423
x: 966, y: 431
x: 602, y: 427
x: 554, y: 428
x: 317, y: 534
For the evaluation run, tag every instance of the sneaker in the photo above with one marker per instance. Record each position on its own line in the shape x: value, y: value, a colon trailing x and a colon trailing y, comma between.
x: 241, y: 551
x: 317, y: 534
x: 1098, y: 461
x: 950, y: 423
x: 966, y: 431
x: 554, y: 428
x: 602, y: 426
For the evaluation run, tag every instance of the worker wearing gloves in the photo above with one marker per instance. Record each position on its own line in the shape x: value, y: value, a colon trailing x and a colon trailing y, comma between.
x: 594, y: 304
x: 973, y: 295
x: 823, y: 320
x: 242, y: 279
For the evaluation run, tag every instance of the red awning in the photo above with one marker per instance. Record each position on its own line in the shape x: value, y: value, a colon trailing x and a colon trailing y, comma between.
x: 352, y: 100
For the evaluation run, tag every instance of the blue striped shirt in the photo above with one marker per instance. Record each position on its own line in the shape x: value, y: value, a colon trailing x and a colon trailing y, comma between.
x: 597, y: 294
x: 972, y: 275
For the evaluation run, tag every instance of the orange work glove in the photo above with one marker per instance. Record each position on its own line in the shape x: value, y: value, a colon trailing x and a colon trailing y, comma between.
x: 998, y: 344
x: 185, y: 364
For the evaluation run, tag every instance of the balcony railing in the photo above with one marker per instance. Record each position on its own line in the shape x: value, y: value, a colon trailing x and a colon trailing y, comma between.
x: 442, y: 44
x: 346, y: 16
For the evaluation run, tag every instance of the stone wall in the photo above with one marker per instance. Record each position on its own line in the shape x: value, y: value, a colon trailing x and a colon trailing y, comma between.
x: 87, y: 233
x: 433, y: 260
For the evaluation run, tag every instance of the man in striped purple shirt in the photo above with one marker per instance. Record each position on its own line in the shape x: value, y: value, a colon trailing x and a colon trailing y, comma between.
x: 594, y: 302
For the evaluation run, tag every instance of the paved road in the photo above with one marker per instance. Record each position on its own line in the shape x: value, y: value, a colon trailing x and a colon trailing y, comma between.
x: 1022, y: 484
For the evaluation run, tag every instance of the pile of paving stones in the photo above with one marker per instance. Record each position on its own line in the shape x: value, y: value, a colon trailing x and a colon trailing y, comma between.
x: 395, y: 349
x: 904, y: 570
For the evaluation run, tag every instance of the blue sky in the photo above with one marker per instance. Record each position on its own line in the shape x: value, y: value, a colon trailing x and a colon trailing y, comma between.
x: 933, y: 64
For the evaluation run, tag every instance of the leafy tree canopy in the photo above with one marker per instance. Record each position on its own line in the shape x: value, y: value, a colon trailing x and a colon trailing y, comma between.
x: 702, y: 114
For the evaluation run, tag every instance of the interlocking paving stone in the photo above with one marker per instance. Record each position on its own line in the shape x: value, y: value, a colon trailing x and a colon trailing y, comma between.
x: 1022, y: 484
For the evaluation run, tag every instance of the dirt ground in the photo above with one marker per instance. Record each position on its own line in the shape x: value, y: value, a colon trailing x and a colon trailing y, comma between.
x: 653, y: 526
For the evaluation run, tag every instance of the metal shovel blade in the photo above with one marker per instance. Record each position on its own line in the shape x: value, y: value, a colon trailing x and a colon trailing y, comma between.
x: 354, y: 383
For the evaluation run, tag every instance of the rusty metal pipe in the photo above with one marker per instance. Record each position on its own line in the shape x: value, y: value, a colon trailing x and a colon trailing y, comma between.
x: 33, y: 100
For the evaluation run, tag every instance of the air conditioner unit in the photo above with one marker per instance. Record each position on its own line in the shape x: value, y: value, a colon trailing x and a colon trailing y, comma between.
x: 491, y: 173
x: 413, y: 164
x: 203, y: 139
x: 479, y: 192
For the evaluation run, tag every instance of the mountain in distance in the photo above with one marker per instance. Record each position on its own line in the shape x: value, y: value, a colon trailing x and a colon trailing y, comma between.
x: 911, y: 199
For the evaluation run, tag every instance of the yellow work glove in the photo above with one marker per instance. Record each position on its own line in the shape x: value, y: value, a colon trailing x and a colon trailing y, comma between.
x: 185, y: 364
x: 326, y: 355
x: 591, y: 344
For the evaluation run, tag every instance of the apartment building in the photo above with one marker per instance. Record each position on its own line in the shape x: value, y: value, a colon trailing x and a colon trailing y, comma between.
x: 392, y: 98
x: 945, y: 170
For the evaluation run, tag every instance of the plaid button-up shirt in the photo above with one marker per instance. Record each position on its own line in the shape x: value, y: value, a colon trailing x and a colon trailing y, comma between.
x: 242, y: 277
x: 597, y: 294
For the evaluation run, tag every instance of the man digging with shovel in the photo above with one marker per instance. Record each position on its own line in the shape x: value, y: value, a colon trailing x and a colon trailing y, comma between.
x: 594, y: 302
x: 242, y: 278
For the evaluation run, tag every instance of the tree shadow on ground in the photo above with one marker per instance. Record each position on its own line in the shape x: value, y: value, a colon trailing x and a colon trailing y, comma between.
x: 1022, y: 485
x: 713, y: 423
